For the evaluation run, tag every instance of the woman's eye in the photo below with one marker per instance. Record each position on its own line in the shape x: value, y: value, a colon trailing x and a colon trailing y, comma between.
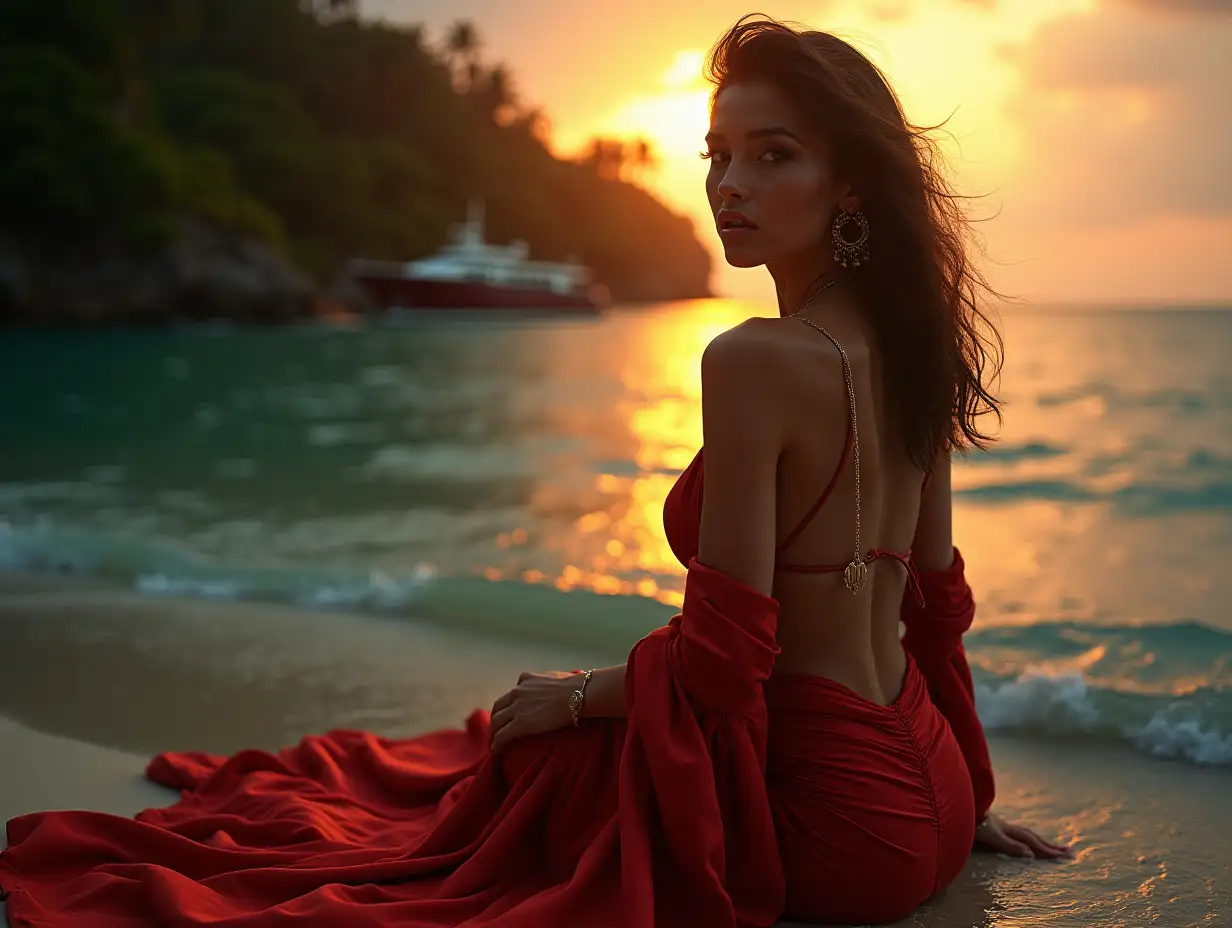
x: 772, y: 156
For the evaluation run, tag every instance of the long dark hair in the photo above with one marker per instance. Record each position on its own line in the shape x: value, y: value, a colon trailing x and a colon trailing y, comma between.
x: 922, y: 291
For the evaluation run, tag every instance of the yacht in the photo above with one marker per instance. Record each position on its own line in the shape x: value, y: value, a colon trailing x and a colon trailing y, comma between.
x: 469, y: 273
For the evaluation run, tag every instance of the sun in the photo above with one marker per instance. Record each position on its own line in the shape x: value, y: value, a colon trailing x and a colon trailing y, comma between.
x: 948, y: 65
x: 675, y: 118
x: 685, y: 71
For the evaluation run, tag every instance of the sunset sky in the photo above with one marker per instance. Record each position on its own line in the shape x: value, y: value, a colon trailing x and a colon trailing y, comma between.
x: 1092, y: 127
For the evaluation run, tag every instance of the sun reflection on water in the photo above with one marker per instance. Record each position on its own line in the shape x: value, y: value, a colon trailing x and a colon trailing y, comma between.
x: 620, y: 546
x: 1064, y: 520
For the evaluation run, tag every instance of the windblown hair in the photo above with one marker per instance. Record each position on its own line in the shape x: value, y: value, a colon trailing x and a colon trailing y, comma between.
x: 922, y: 291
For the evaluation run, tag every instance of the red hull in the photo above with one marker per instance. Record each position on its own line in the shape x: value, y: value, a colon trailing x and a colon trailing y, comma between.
x: 412, y: 293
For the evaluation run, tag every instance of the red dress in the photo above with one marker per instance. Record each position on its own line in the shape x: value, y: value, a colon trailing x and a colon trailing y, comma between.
x: 727, y: 798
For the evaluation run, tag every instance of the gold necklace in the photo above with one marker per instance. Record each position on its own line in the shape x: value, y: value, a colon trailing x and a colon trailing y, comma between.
x: 816, y: 293
x: 856, y: 573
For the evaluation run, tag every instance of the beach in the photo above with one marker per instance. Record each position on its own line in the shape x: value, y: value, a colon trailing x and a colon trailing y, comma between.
x: 214, y: 539
x: 299, y: 471
x: 94, y: 681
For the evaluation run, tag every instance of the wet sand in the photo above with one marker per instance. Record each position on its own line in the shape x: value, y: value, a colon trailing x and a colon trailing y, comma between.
x: 94, y: 681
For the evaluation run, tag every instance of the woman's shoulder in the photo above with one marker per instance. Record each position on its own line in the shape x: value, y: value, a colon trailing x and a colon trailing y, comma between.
x: 775, y: 359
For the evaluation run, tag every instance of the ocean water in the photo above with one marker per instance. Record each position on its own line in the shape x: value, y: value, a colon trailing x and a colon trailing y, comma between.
x: 507, y: 476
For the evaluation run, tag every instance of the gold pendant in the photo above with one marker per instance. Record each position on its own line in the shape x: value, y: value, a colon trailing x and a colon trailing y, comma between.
x: 855, y: 576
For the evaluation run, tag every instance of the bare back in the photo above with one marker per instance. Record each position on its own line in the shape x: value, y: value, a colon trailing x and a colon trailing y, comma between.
x: 823, y: 628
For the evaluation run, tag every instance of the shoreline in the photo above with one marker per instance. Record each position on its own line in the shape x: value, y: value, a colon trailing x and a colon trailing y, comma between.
x: 94, y: 681
x: 144, y: 674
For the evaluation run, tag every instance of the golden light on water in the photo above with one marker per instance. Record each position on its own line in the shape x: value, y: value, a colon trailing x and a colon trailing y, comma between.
x: 1034, y: 522
x: 619, y: 547
x: 662, y: 377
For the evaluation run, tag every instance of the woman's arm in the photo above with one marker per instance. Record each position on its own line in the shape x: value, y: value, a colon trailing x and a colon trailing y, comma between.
x: 935, y: 627
x: 605, y: 694
x: 540, y: 703
x: 743, y: 435
x: 945, y: 665
x: 743, y: 439
x: 738, y: 519
x: 933, y: 547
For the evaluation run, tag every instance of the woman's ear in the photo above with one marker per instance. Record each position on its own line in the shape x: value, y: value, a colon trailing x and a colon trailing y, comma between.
x: 849, y: 200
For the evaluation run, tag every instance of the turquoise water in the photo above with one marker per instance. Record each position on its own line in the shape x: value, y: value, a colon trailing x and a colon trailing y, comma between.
x: 507, y: 476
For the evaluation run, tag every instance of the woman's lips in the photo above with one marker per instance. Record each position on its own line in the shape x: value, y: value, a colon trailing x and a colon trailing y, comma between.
x: 733, y: 223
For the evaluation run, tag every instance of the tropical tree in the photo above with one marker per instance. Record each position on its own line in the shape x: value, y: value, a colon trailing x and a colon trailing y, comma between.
x: 608, y: 157
x: 292, y: 122
x: 462, y: 48
x: 534, y: 123
x: 474, y: 76
x: 495, y: 94
x: 643, y: 157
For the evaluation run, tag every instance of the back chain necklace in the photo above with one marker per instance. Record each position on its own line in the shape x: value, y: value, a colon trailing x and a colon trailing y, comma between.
x: 856, y: 573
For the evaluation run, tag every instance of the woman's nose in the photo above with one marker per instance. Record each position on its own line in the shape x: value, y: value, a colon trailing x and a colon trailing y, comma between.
x: 730, y: 188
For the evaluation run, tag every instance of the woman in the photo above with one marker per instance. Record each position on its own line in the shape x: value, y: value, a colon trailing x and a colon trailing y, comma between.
x: 776, y: 749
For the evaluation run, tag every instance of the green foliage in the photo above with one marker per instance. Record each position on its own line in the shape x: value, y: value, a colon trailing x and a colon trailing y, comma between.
x: 298, y: 122
x: 206, y: 188
x: 272, y: 145
x: 90, y: 33
x: 69, y: 170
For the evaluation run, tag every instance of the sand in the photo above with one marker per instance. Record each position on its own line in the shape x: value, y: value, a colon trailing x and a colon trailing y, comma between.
x: 93, y: 681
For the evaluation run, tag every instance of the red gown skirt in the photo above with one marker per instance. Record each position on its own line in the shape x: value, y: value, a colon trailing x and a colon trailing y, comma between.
x: 727, y: 798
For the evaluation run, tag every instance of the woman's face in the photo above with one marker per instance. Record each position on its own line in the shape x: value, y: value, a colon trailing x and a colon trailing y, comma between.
x: 770, y: 168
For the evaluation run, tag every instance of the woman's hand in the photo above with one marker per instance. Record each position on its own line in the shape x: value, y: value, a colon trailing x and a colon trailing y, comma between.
x: 998, y: 835
x: 538, y: 704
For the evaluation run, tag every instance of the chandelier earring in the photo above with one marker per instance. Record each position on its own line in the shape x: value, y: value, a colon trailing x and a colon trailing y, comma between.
x: 850, y: 233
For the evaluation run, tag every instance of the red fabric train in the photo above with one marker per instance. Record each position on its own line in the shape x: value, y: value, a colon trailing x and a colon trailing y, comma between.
x: 675, y: 817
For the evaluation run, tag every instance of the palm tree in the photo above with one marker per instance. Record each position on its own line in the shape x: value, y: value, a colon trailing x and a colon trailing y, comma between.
x: 462, y: 47
x: 608, y: 157
x: 495, y: 92
x: 535, y: 123
x: 643, y: 156
x: 593, y: 155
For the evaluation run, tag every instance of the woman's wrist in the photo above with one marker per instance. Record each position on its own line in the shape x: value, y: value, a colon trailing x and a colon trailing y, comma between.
x: 577, y: 696
x: 605, y: 695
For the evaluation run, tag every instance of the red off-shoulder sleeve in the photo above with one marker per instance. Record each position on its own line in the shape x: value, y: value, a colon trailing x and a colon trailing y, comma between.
x: 692, y: 785
x: 934, y: 631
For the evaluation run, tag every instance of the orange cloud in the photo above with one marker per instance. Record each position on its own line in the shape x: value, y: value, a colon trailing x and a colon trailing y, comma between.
x: 1171, y: 7
x: 1119, y: 114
